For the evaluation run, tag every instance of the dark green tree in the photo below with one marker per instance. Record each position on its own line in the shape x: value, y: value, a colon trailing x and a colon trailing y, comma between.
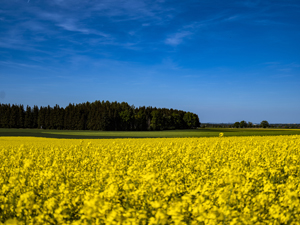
x: 41, y: 117
x: 243, y: 124
x: 96, y: 116
x: 264, y: 124
x: 28, y: 120
x: 35, y: 116
x: 236, y: 124
x: 191, y: 120
x: 5, y: 115
x: 156, y: 120
x: 140, y: 121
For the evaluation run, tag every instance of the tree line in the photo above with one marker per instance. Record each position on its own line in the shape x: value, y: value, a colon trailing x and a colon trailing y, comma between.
x: 96, y: 116
x: 244, y: 124
x: 241, y: 124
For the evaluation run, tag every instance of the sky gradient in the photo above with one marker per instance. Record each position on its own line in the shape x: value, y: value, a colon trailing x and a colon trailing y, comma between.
x: 226, y: 61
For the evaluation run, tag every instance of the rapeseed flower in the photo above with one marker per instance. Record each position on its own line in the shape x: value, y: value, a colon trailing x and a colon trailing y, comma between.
x: 229, y: 180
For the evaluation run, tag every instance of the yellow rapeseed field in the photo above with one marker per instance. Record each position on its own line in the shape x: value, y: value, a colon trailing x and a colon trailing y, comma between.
x: 222, y: 180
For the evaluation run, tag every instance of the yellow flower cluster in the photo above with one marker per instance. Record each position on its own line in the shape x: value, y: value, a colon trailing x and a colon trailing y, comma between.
x: 229, y: 180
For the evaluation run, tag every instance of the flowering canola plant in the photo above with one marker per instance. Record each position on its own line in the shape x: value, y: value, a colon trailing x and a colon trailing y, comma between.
x: 228, y: 180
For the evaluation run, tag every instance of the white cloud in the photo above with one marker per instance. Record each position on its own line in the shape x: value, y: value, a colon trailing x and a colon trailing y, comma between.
x: 70, y: 25
x: 189, y: 29
x: 120, y: 10
x: 14, y: 64
x: 177, y: 38
x: 233, y: 18
x: 130, y: 9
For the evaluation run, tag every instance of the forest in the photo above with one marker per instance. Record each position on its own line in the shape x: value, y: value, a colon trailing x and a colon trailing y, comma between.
x: 105, y: 115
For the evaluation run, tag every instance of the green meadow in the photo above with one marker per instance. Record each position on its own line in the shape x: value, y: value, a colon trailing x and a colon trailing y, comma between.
x: 201, y: 132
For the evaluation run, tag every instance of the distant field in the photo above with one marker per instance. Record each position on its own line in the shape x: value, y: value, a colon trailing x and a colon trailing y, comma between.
x: 211, y: 132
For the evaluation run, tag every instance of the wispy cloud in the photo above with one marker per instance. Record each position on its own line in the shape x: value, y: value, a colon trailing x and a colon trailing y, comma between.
x: 177, y: 38
x: 190, y: 29
x: 15, y: 64
x: 268, y: 22
x: 119, y: 10
x: 153, y: 11
x: 168, y: 63
x: 13, y: 39
x: 233, y: 18
x: 276, y: 64
x: 59, y: 21
x: 70, y: 23
x: 282, y: 70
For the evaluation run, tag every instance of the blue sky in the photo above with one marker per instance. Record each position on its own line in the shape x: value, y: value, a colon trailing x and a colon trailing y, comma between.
x: 226, y: 61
